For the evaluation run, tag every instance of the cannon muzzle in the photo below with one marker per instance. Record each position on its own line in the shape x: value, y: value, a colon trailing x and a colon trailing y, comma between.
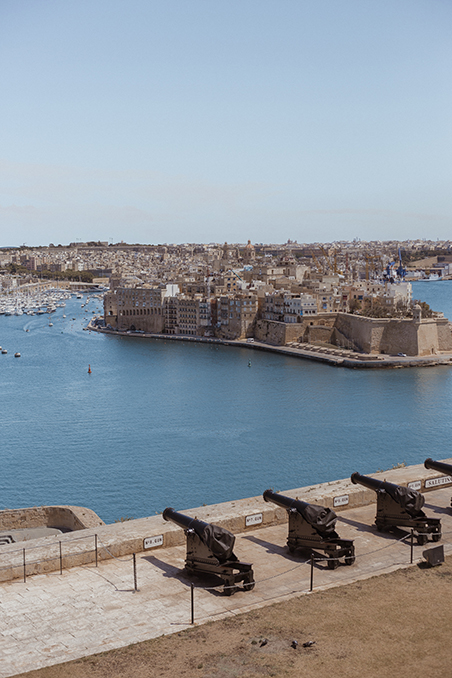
x: 438, y: 466
x: 410, y: 500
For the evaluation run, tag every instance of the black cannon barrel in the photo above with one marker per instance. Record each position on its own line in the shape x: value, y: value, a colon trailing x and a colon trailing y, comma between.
x: 187, y: 522
x: 322, y: 519
x: 371, y: 483
x: 411, y: 500
x: 219, y: 540
x: 438, y: 466
x: 285, y: 502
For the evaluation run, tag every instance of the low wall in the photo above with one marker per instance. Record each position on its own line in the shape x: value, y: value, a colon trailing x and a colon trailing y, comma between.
x: 62, y: 517
x: 120, y: 539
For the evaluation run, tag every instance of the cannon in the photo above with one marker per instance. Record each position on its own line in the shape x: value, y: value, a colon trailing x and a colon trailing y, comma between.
x: 399, y: 506
x: 440, y: 466
x: 313, y: 527
x: 210, y: 551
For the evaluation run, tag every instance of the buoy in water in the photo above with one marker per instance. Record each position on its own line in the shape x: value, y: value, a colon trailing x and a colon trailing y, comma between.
x: 89, y: 369
x: 249, y: 363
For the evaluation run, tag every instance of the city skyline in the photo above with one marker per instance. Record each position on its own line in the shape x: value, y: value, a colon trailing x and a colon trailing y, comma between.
x: 173, y: 122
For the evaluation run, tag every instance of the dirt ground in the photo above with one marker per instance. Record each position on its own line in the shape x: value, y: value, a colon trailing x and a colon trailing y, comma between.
x: 398, y: 624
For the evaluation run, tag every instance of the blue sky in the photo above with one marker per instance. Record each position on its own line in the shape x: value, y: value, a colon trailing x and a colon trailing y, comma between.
x: 200, y: 120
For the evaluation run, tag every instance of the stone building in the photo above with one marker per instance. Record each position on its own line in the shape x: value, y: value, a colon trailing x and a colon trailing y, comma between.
x: 249, y: 253
x: 236, y: 314
x: 139, y: 308
x: 287, y: 308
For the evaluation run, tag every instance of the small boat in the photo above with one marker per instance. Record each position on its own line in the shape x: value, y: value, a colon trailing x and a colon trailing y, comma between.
x: 4, y: 351
x: 50, y: 324
x: 17, y: 355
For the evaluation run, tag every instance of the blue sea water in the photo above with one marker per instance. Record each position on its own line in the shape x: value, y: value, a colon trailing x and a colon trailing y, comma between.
x: 163, y: 423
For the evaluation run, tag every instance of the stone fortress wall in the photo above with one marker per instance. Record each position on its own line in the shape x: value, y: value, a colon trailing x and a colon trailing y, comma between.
x: 415, y: 337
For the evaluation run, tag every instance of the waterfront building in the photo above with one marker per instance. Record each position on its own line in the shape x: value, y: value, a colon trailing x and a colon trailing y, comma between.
x: 136, y: 308
x: 288, y: 308
x: 236, y: 314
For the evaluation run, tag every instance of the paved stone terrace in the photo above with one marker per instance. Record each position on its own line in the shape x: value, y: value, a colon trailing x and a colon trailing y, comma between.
x: 54, y: 618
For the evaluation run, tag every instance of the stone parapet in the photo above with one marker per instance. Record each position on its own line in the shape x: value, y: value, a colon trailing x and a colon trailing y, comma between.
x: 63, y: 517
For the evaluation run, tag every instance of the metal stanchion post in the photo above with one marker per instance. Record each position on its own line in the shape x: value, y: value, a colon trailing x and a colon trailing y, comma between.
x: 95, y: 546
x: 192, y: 595
x: 25, y: 573
x: 412, y: 542
x: 312, y: 571
x: 61, y: 559
x: 135, y: 572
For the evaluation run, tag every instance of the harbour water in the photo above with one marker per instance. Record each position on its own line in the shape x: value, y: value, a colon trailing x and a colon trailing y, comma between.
x: 177, y: 424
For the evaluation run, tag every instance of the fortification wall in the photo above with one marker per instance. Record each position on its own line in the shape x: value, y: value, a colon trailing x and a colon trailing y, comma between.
x: 319, y: 334
x: 400, y: 336
x: 427, y: 337
x: 277, y: 333
x: 444, y: 334
x: 358, y: 330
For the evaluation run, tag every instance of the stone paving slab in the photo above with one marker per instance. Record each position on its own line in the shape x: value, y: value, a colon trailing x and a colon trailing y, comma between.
x: 54, y: 618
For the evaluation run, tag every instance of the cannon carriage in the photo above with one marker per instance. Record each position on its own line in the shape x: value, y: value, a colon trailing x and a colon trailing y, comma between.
x: 313, y: 528
x: 399, y: 506
x: 210, y: 552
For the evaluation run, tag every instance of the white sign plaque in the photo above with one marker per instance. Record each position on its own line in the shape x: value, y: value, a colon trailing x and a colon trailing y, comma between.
x: 341, y: 501
x: 415, y: 485
x: 256, y: 519
x: 434, y: 482
x: 152, y: 542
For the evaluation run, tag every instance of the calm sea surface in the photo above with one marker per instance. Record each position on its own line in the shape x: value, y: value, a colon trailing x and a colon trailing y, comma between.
x: 161, y: 424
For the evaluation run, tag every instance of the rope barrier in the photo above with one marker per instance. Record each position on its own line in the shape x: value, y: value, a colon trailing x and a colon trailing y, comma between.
x: 318, y: 560
x: 42, y: 546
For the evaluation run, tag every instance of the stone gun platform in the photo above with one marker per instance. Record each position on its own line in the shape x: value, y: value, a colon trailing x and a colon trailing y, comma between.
x: 53, y: 618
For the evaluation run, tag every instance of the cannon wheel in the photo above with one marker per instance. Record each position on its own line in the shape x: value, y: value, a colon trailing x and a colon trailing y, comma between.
x: 333, y: 563
x: 350, y: 559
x: 422, y: 539
x: 436, y: 537
x: 249, y: 585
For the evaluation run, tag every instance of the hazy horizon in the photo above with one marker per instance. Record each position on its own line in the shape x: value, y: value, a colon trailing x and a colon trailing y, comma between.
x: 170, y: 121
